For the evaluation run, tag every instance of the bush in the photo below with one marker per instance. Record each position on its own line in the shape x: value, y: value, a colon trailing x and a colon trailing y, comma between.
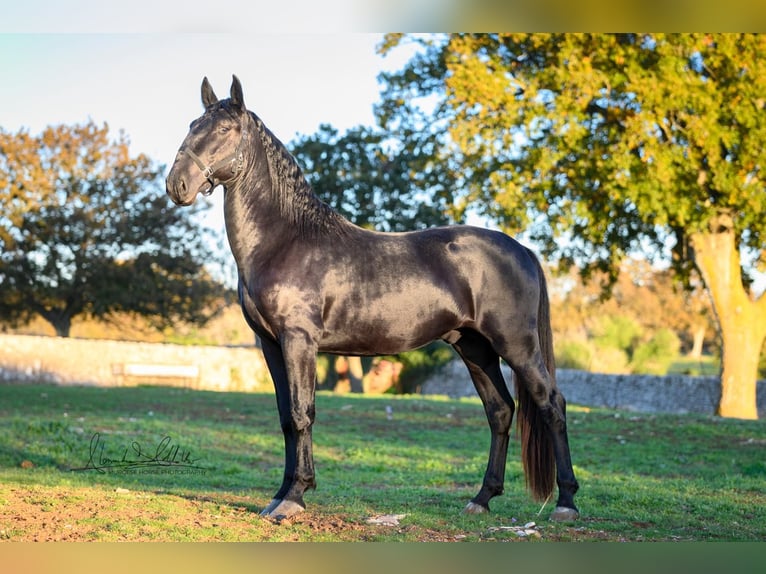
x: 585, y: 356
x: 617, y: 332
x: 610, y: 360
x: 655, y: 356
x: 574, y: 355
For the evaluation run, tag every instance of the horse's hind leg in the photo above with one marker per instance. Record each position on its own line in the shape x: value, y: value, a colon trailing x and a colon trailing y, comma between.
x: 484, y: 366
x: 565, y: 478
x: 548, y: 402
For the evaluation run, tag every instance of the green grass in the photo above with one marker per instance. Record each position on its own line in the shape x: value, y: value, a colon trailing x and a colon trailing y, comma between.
x: 705, y: 366
x: 642, y: 477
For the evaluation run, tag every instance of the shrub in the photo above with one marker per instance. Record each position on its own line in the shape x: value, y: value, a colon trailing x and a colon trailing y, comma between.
x: 655, y: 356
x: 610, y: 360
x: 574, y: 355
x: 617, y: 332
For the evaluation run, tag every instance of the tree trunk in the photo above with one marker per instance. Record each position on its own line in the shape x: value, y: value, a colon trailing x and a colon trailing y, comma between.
x: 698, y: 336
x: 742, y: 321
x: 59, y: 319
x: 62, y: 325
x: 356, y: 374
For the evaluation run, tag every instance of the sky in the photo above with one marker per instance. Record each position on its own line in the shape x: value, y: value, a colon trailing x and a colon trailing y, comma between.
x: 148, y: 84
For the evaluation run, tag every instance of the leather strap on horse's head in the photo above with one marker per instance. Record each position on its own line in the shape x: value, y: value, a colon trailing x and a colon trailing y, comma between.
x: 236, y: 160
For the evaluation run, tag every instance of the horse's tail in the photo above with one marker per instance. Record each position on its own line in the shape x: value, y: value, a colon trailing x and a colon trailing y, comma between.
x: 537, y: 453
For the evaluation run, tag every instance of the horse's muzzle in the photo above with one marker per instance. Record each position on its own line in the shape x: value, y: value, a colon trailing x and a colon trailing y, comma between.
x: 179, y: 191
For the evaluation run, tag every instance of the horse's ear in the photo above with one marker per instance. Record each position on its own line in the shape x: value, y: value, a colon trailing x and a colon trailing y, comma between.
x: 208, y: 95
x: 236, y: 93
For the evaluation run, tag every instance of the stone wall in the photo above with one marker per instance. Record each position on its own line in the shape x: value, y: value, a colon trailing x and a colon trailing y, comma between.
x: 120, y: 363
x: 642, y: 393
x: 25, y: 358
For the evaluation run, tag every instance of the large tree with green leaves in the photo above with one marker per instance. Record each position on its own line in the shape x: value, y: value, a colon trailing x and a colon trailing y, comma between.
x: 86, y: 229
x: 602, y: 145
x: 373, y: 181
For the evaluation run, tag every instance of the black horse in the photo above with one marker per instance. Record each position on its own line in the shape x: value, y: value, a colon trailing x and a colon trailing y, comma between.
x: 311, y: 281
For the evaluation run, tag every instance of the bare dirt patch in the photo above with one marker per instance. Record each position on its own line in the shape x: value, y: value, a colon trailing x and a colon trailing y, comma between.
x: 61, y: 514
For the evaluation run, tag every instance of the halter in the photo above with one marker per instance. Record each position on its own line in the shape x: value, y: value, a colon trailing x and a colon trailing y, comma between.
x: 236, y: 160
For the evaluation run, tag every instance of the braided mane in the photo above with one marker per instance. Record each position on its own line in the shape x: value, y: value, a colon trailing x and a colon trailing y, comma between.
x: 294, y: 195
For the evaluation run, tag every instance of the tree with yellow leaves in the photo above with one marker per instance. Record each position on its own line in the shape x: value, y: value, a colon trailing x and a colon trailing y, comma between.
x: 600, y: 145
x: 86, y: 229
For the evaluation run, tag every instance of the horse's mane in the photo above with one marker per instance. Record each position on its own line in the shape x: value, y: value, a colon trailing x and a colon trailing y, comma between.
x: 293, y: 194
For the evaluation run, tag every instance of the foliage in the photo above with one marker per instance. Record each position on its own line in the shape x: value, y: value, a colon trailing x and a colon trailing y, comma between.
x: 655, y: 356
x: 620, y: 347
x: 420, y: 364
x: 643, y: 477
x: 614, y: 139
x: 617, y: 331
x: 369, y: 181
x: 574, y: 355
x: 225, y: 327
x: 613, y: 351
x: 86, y: 229
x: 602, y: 145
x: 642, y: 295
x: 416, y: 366
x: 639, y: 329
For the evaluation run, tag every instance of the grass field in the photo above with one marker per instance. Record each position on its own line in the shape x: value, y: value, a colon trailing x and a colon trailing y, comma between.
x: 642, y: 477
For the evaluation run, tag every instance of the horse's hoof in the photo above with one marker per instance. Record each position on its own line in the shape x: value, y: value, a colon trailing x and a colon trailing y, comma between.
x: 282, y: 509
x: 564, y: 514
x: 473, y: 508
x: 271, y: 506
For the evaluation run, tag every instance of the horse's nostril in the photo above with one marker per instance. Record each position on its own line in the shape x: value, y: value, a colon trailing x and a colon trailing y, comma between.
x: 183, y: 185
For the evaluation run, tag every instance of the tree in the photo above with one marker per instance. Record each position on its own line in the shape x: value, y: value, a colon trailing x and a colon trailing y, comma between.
x: 645, y: 318
x: 85, y: 229
x: 371, y: 182
x: 649, y: 295
x: 602, y: 145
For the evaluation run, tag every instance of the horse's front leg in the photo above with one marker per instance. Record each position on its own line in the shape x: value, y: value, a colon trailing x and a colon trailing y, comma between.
x: 293, y: 368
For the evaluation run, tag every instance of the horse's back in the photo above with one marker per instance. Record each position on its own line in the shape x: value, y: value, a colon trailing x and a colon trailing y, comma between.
x: 448, y: 245
x: 484, y: 258
x: 400, y: 291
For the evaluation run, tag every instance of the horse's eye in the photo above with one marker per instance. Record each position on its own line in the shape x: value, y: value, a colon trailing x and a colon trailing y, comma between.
x: 223, y: 129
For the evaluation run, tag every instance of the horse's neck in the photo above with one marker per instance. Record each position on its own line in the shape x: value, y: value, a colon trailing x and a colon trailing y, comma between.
x: 251, y: 216
x: 260, y: 220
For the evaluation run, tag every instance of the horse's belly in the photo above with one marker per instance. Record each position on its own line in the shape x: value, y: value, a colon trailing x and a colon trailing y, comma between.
x: 388, y: 333
x: 364, y: 345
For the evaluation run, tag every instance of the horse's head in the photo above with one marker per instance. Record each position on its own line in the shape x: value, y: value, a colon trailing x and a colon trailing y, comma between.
x: 213, y: 151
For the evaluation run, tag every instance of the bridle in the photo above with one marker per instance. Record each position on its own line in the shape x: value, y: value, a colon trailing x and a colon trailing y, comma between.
x: 236, y: 160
